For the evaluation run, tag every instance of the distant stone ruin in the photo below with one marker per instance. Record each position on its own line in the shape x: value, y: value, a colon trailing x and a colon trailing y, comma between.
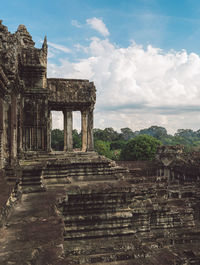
x: 27, y: 98
x: 66, y: 208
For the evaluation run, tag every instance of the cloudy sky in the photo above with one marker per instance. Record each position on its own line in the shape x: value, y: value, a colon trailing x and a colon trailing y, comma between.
x: 143, y: 55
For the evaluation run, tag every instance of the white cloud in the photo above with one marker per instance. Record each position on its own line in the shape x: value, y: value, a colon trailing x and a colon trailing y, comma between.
x: 80, y: 47
x: 59, y: 47
x: 76, y: 24
x: 98, y: 25
x: 138, y: 87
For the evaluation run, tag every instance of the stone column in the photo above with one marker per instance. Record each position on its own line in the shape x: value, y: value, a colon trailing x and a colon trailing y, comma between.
x: 13, y: 128
x: 90, y: 143
x: 84, y: 128
x: 46, y: 133
x: 20, y: 125
x: 1, y: 133
x: 68, y: 124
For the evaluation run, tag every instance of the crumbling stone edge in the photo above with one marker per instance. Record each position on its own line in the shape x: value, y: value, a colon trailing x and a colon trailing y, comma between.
x: 5, y: 210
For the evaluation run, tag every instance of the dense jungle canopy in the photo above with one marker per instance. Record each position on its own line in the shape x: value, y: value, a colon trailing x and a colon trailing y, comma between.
x: 122, y: 145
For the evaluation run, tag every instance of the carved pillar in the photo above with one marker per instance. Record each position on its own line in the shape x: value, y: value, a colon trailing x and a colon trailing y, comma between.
x: 13, y: 128
x: 1, y: 133
x: 84, y: 128
x: 90, y: 141
x: 49, y: 126
x: 46, y: 133
x: 20, y: 125
x: 68, y: 123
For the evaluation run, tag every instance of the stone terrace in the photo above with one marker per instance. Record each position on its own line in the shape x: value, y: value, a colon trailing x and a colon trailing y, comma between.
x: 128, y: 219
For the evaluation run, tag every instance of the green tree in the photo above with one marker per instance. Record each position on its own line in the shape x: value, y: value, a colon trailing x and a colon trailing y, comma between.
x: 142, y: 147
x: 156, y: 131
x: 108, y: 134
x: 57, y: 139
x: 116, y: 145
x: 127, y: 133
x: 103, y: 148
x: 76, y: 139
x: 98, y: 134
x: 185, y: 133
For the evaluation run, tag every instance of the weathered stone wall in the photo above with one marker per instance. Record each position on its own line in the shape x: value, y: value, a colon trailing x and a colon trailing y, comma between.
x: 78, y: 94
x: 22, y: 76
x: 35, y: 122
x: 5, y: 133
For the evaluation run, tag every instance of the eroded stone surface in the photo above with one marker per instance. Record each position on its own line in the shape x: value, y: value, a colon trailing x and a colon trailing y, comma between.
x: 33, y: 233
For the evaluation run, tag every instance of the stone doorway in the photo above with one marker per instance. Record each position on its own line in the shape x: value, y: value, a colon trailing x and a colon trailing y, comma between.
x: 57, y: 131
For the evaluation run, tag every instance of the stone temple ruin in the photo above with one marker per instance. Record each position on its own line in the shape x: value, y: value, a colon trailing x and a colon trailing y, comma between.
x: 79, y: 207
x: 28, y: 97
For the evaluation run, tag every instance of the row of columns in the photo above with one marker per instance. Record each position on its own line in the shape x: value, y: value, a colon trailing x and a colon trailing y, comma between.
x: 86, y: 128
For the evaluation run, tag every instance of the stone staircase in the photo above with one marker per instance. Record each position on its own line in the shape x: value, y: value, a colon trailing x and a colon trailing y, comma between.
x: 31, y: 180
x: 98, y: 223
x: 111, y: 216
x: 66, y: 168
x: 106, y: 222
x: 81, y: 168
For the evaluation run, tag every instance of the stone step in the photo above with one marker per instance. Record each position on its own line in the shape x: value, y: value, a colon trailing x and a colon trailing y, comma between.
x: 76, y: 169
x: 30, y: 182
x: 99, y: 177
x: 31, y: 188
x: 119, y: 224
x: 108, y: 217
x: 86, y: 199
x: 54, y: 176
x: 82, y: 177
x: 104, y: 258
x: 56, y: 180
x: 80, y: 163
x: 79, y: 172
x: 99, y: 234
x: 86, y: 165
x: 103, y: 250
x: 33, y: 175
x: 11, y: 175
x: 108, y: 206
x: 33, y: 178
x: 69, y: 163
x: 92, y: 217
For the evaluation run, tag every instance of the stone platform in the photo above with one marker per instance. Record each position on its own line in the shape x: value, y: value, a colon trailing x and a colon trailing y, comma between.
x: 81, y: 208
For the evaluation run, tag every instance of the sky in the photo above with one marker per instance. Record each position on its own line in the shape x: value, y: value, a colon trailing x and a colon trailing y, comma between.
x: 142, y: 55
